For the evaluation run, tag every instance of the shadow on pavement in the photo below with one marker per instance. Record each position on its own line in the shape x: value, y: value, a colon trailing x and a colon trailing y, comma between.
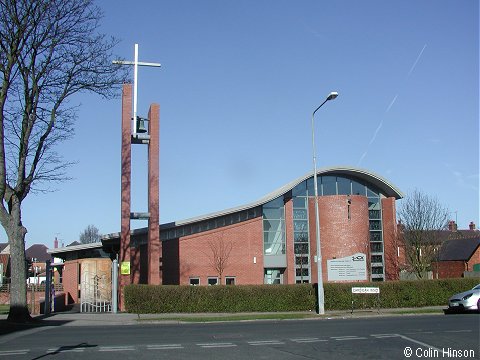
x: 7, y: 327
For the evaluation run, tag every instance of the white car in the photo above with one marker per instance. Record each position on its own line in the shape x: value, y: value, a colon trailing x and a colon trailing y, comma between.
x: 465, y: 301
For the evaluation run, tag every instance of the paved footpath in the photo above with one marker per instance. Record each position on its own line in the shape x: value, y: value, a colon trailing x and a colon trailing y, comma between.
x: 103, y: 319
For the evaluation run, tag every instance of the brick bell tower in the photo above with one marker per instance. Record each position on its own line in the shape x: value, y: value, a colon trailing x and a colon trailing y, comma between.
x: 134, y: 133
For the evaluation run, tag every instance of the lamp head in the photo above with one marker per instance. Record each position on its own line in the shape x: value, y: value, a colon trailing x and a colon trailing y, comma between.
x: 332, y: 95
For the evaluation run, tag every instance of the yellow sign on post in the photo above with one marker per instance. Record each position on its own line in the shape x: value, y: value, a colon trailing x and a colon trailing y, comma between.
x: 125, y: 268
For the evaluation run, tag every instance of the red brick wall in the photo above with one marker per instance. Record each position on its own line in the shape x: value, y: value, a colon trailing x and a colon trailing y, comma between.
x: 247, y: 242
x: 340, y: 235
x: 70, y: 281
x: 450, y: 269
x: 475, y: 259
x: 154, y: 246
x: 392, y: 259
x: 289, y: 274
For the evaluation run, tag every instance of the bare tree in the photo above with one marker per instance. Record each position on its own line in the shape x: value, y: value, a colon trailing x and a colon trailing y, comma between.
x: 90, y: 235
x: 218, y: 255
x: 50, y: 51
x: 422, y: 219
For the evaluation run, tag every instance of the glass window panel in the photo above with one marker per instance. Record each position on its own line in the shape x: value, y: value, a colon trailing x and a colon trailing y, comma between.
x: 373, y: 204
x: 194, y: 281
x: 376, y: 247
x: 375, y: 225
x: 273, y: 276
x: 299, y: 202
x: 301, y: 260
x: 299, y: 214
x: 310, y: 190
x: 374, y: 214
x: 302, y: 272
x: 300, y: 225
x: 344, y: 186
x: 372, y: 191
x: 375, y: 236
x: 277, y: 203
x: 229, y: 280
x: 300, y: 189
x: 300, y: 237
x: 358, y: 188
x: 273, y: 213
x: 301, y: 248
x: 376, y: 258
x: 273, y: 236
x: 377, y: 270
x: 329, y: 185
x: 272, y: 225
x: 179, y: 232
x: 212, y: 281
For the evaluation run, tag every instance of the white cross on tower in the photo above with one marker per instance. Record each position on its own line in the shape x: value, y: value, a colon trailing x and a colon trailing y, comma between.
x: 135, y: 64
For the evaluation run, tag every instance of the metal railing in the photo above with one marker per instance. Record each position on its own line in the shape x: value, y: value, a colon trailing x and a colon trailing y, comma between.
x: 32, y: 287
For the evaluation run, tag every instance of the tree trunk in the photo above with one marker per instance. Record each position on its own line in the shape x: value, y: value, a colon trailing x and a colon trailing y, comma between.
x: 18, y: 287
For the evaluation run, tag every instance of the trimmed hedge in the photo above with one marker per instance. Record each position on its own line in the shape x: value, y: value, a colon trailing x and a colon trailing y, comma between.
x: 144, y: 299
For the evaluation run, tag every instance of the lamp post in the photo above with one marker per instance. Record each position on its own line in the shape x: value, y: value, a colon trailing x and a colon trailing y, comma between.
x: 320, y: 293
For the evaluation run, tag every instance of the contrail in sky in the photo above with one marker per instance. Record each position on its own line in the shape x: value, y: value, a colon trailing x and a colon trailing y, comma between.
x: 416, y: 61
x: 389, y: 107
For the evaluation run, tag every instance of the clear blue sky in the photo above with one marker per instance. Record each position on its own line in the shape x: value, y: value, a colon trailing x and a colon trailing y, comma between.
x: 238, y: 83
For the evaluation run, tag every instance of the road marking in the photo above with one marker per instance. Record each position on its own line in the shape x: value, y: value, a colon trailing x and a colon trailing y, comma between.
x: 419, y: 342
x: 13, y: 352
x: 265, y: 342
x: 164, y: 346
x: 382, y: 336
x: 419, y: 332
x: 343, y: 338
x: 116, y: 348
x: 216, y: 345
x: 64, y: 350
x: 307, y: 340
x: 457, y: 331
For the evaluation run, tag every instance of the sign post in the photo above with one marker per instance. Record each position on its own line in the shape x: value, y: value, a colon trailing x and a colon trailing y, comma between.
x: 367, y: 290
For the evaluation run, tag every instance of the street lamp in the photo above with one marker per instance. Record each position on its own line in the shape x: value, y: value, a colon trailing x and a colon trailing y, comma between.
x: 320, y: 293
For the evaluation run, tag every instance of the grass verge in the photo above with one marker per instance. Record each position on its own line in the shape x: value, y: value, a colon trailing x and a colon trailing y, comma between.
x: 231, y: 317
x: 4, y: 309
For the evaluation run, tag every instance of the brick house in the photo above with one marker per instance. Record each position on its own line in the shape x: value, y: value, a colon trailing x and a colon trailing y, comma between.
x: 457, y: 256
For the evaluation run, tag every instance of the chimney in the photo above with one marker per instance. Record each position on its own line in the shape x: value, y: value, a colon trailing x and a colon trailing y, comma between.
x: 55, y: 243
x: 452, y: 226
x: 472, y: 225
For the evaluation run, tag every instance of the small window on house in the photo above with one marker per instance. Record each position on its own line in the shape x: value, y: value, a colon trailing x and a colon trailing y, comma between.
x: 194, y: 281
x: 212, y: 281
x: 229, y: 280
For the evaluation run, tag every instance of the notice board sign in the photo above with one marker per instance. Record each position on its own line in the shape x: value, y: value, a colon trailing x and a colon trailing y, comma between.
x: 125, y: 268
x: 349, y: 268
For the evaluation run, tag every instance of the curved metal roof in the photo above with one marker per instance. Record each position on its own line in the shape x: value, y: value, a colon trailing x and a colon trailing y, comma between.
x: 367, y: 176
